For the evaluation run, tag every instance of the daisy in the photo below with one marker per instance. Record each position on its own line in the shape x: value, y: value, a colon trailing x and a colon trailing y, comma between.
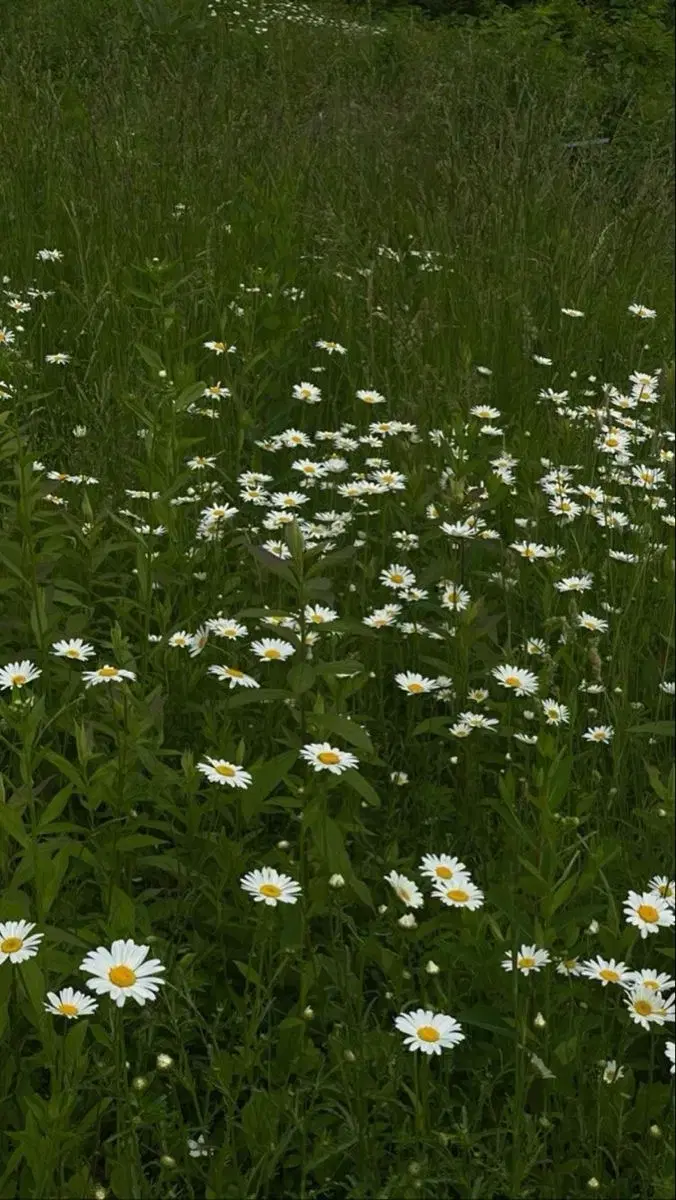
x: 459, y: 895
x: 598, y: 733
x: 73, y: 648
x: 267, y: 886
x: 324, y: 757
x: 570, y: 967
x: 330, y: 347
x: 60, y: 359
x: 318, y: 614
x: 648, y: 911
x: 236, y: 678
x: 522, y: 683
x: 218, y: 770
x: 532, y: 550
x: 405, y: 889
x: 71, y: 1004
x: 395, y: 576
x: 15, y: 942
x: 414, y: 684
x: 640, y: 310
x: 606, y: 971
x: 611, y: 1071
x: 107, y: 674
x: 485, y: 412
x: 556, y: 714
x: 656, y: 981
x: 123, y: 972
x: 535, y: 647
x: 18, y: 674
x: 454, y: 597
x: 198, y: 1148
x: 370, y: 397
x: 271, y: 649
x: 670, y: 1051
x: 442, y: 868
x: 575, y: 583
x: 429, y: 1031
x: 529, y: 958
x: 572, y: 312
x: 181, y: 638
x: 665, y: 887
x: 647, y: 1007
x: 594, y: 624
x: 223, y: 628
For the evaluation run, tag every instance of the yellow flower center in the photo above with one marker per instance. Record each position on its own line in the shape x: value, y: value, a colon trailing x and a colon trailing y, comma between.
x: 68, y: 1010
x: 107, y: 672
x: 225, y: 770
x: 271, y: 654
x: 403, y: 894
x: 18, y: 680
x: 512, y: 680
x: 328, y: 757
x: 427, y: 1033
x: 652, y: 984
x: 10, y: 945
x: 416, y: 687
x: 317, y: 618
x: 234, y: 673
x: 443, y: 872
x: 457, y: 894
x: 647, y: 913
x: 569, y: 963
x: 72, y: 652
x: 122, y: 976
x: 270, y: 889
x: 610, y: 976
x: 525, y: 962
x: 643, y: 1008
x: 397, y: 578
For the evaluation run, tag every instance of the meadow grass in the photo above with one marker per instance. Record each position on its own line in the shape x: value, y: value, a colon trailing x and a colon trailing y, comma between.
x: 344, y: 326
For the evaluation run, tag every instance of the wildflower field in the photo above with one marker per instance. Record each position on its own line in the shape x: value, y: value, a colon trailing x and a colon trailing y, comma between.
x: 336, y: 610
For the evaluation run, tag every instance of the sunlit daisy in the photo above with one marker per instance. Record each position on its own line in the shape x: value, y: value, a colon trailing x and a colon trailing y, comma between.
x: 71, y: 1004
x: 180, y: 639
x: 17, y: 943
x: 647, y: 1007
x: 123, y: 972
x: 598, y: 733
x: 428, y: 1031
x: 665, y: 887
x: 234, y: 677
x: 528, y: 958
x: 556, y: 714
x: 607, y: 971
x: 324, y: 757
x: 267, y: 886
x: 459, y: 894
x: 570, y: 967
x: 107, y: 674
x: 73, y: 648
x: 655, y: 981
x: 522, y: 683
x: 594, y: 624
x: 219, y: 770
x: 414, y: 684
x: 443, y: 869
x: 397, y: 576
x: 370, y: 397
x: 406, y: 889
x: 272, y: 649
x: 648, y: 912
x: 18, y: 674
x: 318, y: 614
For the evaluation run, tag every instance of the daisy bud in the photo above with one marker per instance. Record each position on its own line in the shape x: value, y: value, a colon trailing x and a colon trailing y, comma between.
x: 539, y: 1021
x: 139, y: 1084
x: 163, y: 1062
x: 336, y: 881
x: 593, y: 926
x: 283, y: 845
x: 593, y: 1184
x: 655, y: 1131
x: 544, y: 1122
x: 454, y: 760
x: 350, y: 1056
x: 100, y: 1193
x: 431, y: 967
x: 162, y: 374
x: 408, y: 921
x: 406, y: 974
x: 308, y: 1013
x: 382, y: 908
x: 168, y: 1162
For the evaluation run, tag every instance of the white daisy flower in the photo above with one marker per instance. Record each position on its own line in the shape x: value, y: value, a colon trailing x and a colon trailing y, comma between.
x: 664, y: 886
x: 17, y: 943
x: 71, y: 1004
x: 198, y: 1148
x: 235, y: 678
x: 655, y: 981
x: 73, y: 648
x: 325, y: 757
x: 611, y: 1071
x: 414, y: 684
x: 443, y: 868
x: 123, y: 972
x: 556, y: 714
x: 648, y: 912
x: 528, y: 958
x: 670, y: 1051
x: 218, y: 770
x: 607, y: 971
x: 570, y: 967
x: 272, y: 649
x: 647, y: 1007
x: 459, y: 894
x: 223, y: 628
x: 522, y: 683
x: 18, y: 674
x: 598, y: 733
x: 405, y: 889
x: 107, y: 674
x: 269, y: 887
x: 397, y: 576
x: 429, y: 1031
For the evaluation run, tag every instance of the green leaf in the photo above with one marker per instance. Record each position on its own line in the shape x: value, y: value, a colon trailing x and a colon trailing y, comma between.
x: 301, y: 678
x: 255, y: 696
x: 272, y: 563
x: 188, y: 396
x: 656, y: 728
x: 358, y: 784
x: 150, y: 358
x: 344, y: 728
x: 265, y: 779
x: 11, y: 821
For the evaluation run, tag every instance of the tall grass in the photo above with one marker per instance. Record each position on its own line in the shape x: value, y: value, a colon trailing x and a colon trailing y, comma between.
x: 268, y: 176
